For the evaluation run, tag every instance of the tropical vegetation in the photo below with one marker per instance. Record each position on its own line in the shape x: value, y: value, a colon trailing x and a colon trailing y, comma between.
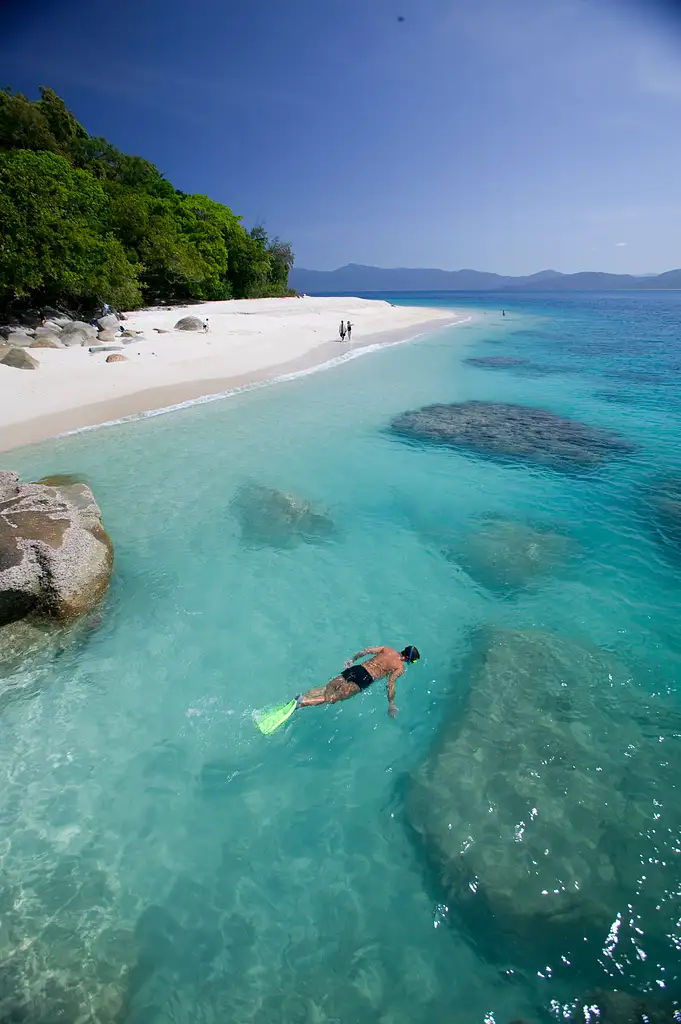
x: 82, y: 223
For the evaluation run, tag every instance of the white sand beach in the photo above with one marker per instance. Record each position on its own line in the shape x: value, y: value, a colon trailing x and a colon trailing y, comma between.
x: 247, y: 341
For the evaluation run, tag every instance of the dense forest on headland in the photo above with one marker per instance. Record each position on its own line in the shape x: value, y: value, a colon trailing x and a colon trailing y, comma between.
x: 82, y: 223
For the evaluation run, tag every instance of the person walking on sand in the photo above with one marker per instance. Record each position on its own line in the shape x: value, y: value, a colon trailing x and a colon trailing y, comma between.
x: 205, y: 326
x: 349, y: 330
x: 341, y: 330
x: 386, y: 663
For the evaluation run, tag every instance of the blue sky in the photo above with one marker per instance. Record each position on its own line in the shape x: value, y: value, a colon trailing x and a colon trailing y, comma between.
x: 504, y: 135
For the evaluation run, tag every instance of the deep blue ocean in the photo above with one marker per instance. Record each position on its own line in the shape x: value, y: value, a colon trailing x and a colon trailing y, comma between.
x: 162, y: 861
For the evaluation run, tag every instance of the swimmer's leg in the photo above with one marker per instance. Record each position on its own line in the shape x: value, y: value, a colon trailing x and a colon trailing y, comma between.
x: 312, y: 698
x: 338, y: 689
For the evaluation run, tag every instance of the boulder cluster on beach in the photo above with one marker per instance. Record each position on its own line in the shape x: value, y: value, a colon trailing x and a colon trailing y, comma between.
x: 55, y: 329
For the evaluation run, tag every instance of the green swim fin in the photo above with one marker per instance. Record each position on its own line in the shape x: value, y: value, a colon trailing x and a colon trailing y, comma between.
x: 268, y: 721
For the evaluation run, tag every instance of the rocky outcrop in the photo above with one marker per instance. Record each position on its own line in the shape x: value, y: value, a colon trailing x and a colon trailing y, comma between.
x: 513, y: 432
x: 55, y: 556
x: 273, y: 518
x: 504, y: 555
x: 19, y: 358
x: 189, y: 323
x: 542, y: 799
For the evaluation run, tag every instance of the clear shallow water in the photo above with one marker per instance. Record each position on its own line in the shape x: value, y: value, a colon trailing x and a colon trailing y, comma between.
x: 162, y: 857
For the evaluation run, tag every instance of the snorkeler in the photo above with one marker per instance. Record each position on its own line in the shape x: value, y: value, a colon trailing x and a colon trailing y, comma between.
x: 385, y: 662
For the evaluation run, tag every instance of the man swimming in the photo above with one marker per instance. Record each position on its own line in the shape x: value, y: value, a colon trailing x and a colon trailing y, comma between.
x: 385, y: 663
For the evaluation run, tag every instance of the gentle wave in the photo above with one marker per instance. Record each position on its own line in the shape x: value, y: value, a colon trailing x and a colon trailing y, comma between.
x: 346, y: 357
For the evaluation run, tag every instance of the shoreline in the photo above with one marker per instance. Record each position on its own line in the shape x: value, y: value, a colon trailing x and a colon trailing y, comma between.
x: 160, y: 399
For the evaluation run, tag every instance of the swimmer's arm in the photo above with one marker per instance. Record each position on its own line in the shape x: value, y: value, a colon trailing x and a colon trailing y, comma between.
x: 362, y: 654
x: 392, y: 679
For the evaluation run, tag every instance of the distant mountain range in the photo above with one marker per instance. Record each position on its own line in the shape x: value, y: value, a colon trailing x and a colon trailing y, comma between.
x: 357, y: 278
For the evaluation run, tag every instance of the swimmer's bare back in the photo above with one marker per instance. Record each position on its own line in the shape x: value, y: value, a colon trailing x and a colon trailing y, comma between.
x: 384, y: 663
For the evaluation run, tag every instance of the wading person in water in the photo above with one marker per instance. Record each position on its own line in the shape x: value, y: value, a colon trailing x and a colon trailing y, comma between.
x: 385, y: 663
x: 341, y: 331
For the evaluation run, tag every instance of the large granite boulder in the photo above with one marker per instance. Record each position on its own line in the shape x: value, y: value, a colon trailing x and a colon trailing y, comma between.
x: 189, y: 323
x: 19, y: 338
x: 78, y: 333
x: 47, y: 332
x: 46, y: 342
x: 547, y: 798
x: 273, y: 518
x: 55, y: 556
x: 504, y: 555
x: 108, y: 322
x: 515, y: 432
x: 18, y: 358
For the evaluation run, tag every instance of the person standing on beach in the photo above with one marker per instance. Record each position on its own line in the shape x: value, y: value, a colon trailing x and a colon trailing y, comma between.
x: 205, y: 326
x: 349, y: 330
x: 341, y: 330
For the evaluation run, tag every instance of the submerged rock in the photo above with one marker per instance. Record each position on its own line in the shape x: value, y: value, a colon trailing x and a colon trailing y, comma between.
x: 503, y: 555
x: 615, y: 397
x: 62, y: 479
x: 604, y: 1006
x: 55, y: 556
x: 665, y: 500
x: 540, y: 802
x: 495, y: 362
x: 273, y: 518
x: 62, y: 958
x: 502, y: 430
x: 189, y: 323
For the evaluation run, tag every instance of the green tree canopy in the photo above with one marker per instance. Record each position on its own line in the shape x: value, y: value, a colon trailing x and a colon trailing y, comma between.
x: 82, y: 223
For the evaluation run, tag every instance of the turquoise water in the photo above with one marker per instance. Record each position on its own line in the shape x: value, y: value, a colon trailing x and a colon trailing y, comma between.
x: 162, y: 861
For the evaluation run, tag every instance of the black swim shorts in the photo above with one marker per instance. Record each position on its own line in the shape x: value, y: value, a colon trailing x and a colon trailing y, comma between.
x: 358, y: 675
